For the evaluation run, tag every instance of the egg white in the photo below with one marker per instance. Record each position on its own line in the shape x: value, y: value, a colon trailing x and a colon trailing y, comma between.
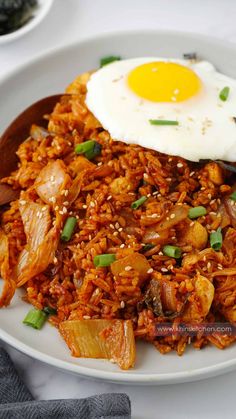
x: 206, y: 127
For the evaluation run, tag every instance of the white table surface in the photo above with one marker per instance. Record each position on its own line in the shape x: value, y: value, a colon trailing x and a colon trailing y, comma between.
x: 71, y: 20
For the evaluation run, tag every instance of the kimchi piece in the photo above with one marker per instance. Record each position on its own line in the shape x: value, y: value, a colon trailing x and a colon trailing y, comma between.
x: 98, y: 338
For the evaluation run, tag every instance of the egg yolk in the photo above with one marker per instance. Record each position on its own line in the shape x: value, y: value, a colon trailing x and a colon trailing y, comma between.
x: 164, y: 82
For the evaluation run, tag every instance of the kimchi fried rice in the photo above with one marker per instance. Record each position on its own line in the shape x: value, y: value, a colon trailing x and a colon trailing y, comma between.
x: 145, y: 285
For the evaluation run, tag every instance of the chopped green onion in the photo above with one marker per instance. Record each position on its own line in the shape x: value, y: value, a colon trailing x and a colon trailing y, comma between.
x: 172, y: 251
x: 35, y: 318
x: 89, y: 148
x: 68, y: 229
x: 216, y: 239
x: 104, y: 260
x: 109, y: 59
x: 162, y: 122
x: 147, y: 247
x: 224, y: 93
x: 96, y: 151
x: 197, y: 212
x: 139, y: 202
x: 50, y: 311
x: 233, y: 196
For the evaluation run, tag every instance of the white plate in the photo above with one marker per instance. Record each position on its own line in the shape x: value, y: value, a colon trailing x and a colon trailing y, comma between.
x: 38, y: 15
x: 50, y: 74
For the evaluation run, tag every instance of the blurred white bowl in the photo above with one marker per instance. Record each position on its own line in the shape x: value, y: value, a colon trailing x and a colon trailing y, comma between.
x: 38, y: 15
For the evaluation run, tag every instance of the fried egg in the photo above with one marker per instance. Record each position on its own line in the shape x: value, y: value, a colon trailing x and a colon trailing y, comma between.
x: 129, y: 96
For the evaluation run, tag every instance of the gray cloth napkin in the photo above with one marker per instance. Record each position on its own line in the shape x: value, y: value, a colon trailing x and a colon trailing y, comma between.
x: 16, y: 401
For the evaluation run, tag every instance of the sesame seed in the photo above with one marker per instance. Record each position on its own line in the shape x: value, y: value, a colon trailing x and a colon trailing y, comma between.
x: 22, y: 202
x: 66, y: 192
x: 61, y: 212
x: 92, y: 204
x: 172, y: 216
x: 179, y: 165
x: 117, y: 225
x: 44, y: 209
x: 212, y: 201
x: 55, y: 260
x: 120, y: 229
x: 52, y: 178
x: 52, y: 199
x: 112, y: 226
x: 66, y: 203
x: 170, y: 159
x: 164, y: 270
x: 90, y: 237
x: 209, y: 196
x: 122, y: 304
x: 160, y: 253
x: 148, y: 195
x: 208, y: 265
x: 191, y: 174
x: 64, y: 209
x: 84, y: 206
x: 155, y: 193
x: 109, y: 197
x: 220, y: 267
x: 122, y: 246
x: 150, y: 271
x: 212, y: 213
x: 100, y: 163
x: 128, y: 268
x: 191, y: 224
x: 115, y: 233
x: 86, y: 317
x: 145, y: 175
x: 154, y: 215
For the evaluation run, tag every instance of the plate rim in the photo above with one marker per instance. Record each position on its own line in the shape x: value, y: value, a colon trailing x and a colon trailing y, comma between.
x: 111, y: 376
x: 121, y: 377
x: 87, y: 40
